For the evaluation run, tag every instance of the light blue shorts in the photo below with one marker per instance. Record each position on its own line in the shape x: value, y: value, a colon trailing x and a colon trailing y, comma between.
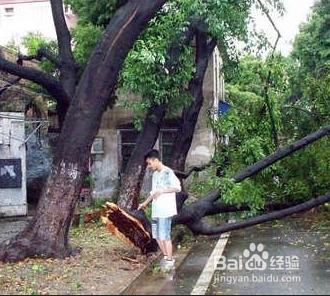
x: 161, y: 228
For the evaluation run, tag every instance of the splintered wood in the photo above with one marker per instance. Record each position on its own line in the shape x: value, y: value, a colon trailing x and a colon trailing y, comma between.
x: 126, y: 227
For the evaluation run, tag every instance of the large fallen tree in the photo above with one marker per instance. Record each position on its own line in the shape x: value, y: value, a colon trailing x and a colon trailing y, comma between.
x: 191, y: 215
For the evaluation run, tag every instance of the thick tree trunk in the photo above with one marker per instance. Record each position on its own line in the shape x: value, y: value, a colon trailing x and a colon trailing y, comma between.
x: 134, y: 174
x: 48, y: 233
x: 190, y: 114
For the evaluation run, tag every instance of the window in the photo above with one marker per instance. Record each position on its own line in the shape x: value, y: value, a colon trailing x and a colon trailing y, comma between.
x: 127, y: 143
x: 128, y: 139
x: 166, y: 140
x: 67, y: 9
x: 9, y: 11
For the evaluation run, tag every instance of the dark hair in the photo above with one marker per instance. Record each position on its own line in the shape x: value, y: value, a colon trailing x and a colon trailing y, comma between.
x: 152, y: 154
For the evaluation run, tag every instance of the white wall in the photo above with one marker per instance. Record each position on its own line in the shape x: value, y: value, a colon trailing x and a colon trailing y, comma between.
x: 12, y: 133
x: 27, y: 17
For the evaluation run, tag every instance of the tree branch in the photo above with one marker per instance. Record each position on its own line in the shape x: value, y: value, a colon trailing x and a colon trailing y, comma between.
x: 190, y: 113
x: 210, y: 46
x: 185, y: 175
x: 68, y: 65
x: 176, y: 46
x: 206, y: 229
x: 9, y: 84
x: 281, y: 153
x: 219, y: 207
x: 41, y: 53
x: 47, y: 81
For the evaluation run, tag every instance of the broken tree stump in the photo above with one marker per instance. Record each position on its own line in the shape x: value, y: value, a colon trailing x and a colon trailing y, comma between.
x: 126, y: 227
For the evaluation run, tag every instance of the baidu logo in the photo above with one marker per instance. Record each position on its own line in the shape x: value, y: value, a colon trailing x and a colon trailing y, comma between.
x: 256, y: 258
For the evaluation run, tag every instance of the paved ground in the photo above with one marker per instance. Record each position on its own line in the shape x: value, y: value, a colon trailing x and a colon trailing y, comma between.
x: 296, y: 260
x: 181, y: 282
x: 295, y: 251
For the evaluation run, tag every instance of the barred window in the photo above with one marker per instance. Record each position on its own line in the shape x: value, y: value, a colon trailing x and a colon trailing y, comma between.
x: 127, y: 143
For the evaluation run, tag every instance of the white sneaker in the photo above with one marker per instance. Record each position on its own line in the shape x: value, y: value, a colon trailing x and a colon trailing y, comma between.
x: 169, y: 264
x: 162, y: 261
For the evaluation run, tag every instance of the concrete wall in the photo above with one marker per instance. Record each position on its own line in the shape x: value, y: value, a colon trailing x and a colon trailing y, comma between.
x: 105, y: 166
x: 12, y: 134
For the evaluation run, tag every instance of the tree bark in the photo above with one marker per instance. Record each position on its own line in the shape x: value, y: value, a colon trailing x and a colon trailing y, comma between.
x: 52, y: 85
x: 68, y: 66
x: 48, y: 233
x: 190, y: 114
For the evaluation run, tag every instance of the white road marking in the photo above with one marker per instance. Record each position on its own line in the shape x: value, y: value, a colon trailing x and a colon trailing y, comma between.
x: 205, y: 278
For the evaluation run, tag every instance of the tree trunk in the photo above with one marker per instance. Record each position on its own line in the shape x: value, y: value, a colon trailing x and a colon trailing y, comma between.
x: 47, y: 234
x: 133, y: 177
x: 190, y: 114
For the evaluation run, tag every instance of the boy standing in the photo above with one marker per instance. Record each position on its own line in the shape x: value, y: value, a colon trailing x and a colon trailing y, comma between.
x: 164, y: 186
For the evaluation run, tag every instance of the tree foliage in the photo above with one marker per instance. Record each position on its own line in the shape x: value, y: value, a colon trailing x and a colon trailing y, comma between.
x: 144, y: 72
x: 299, y: 96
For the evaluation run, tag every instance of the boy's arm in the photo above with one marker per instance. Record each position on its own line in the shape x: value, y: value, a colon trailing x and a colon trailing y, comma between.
x: 145, y: 203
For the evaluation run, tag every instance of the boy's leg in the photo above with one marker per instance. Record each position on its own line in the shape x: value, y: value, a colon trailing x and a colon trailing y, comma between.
x: 155, y: 229
x: 165, y: 235
x: 168, y: 248
x: 162, y: 247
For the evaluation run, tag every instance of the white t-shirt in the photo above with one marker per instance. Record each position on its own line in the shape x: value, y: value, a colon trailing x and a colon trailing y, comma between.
x: 165, y: 204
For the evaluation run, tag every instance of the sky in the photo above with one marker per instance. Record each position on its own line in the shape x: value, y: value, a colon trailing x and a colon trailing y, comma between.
x: 297, y: 12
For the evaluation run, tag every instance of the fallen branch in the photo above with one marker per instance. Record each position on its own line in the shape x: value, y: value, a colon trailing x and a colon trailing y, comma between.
x: 281, y: 153
x: 134, y: 261
x: 126, y: 227
x: 41, y: 53
x: 206, y: 229
x: 219, y: 207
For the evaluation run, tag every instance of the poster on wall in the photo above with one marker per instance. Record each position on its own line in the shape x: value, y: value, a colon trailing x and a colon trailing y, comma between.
x: 10, y: 173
